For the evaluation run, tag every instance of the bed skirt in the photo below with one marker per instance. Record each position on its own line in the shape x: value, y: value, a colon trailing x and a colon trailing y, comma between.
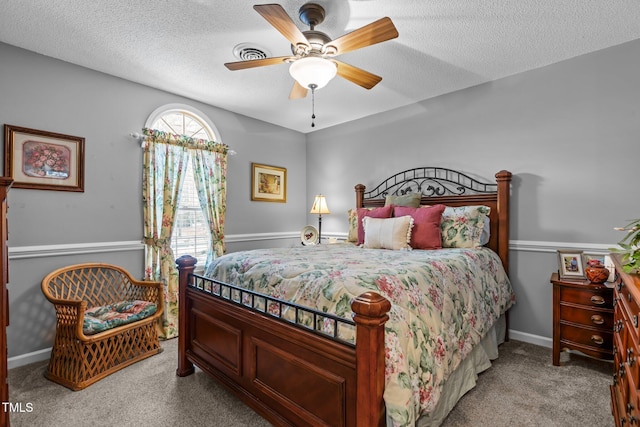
x: 464, y: 377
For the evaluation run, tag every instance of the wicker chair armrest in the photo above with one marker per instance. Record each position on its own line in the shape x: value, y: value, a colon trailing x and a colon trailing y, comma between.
x: 70, y: 313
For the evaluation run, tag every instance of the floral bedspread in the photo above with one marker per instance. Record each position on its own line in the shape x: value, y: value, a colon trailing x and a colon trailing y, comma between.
x: 442, y: 303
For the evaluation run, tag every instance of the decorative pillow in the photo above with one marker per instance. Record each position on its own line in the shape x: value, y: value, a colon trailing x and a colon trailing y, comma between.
x: 98, y: 319
x: 388, y: 233
x: 353, y: 225
x: 426, y: 225
x: 384, y: 212
x: 410, y: 199
x: 462, y: 227
x: 486, y: 232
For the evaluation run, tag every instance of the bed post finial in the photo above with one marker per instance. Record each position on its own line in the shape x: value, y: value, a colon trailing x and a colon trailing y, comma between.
x: 370, y: 314
x: 359, y: 195
x: 186, y: 265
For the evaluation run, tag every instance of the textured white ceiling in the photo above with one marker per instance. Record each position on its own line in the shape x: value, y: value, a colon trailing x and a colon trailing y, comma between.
x: 444, y: 45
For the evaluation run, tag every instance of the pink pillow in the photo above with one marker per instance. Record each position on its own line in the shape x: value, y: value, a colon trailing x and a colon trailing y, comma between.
x: 426, y: 225
x: 384, y: 212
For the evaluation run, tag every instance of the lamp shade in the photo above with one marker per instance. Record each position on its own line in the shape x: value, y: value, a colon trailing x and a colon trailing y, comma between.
x: 313, y: 70
x: 320, y: 205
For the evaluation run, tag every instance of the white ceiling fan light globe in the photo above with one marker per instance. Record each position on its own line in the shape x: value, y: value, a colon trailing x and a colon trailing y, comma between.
x: 313, y: 71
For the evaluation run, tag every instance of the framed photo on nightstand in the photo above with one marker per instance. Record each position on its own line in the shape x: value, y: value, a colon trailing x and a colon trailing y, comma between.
x: 571, y: 264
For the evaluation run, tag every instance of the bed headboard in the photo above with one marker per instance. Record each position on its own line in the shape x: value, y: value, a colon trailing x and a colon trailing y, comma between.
x: 451, y: 188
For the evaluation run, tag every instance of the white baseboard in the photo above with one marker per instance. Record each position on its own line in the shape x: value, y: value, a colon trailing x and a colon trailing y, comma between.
x: 530, y: 338
x: 28, y: 358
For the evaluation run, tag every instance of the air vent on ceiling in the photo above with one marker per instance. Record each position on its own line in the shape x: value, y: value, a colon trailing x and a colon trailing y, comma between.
x: 247, y: 52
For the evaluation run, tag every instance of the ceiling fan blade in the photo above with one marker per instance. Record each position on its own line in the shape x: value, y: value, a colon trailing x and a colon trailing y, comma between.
x: 376, y: 32
x: 278, y: 18
x: 357, y: 75
x: 241, y: 65
x: 298, y: 91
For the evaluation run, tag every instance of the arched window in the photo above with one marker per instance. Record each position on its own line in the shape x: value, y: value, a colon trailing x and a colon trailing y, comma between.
x: 190, y: 233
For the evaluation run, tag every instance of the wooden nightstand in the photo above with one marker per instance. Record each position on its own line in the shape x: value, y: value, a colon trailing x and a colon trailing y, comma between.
x: 582, y: 318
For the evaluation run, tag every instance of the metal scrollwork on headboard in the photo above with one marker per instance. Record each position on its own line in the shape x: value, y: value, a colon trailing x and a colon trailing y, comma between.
x: 430, y: 182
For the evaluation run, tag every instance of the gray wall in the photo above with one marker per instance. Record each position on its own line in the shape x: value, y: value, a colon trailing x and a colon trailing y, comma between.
x: 50, y: 229
x: 569, y: 132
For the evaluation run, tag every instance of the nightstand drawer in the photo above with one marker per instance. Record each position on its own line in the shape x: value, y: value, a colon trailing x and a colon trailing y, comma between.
x: 584, y: 316
x: 597, y: 339
x: 588, y: 297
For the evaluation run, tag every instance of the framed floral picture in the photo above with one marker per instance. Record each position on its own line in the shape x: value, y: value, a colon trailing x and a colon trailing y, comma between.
x: 43, y: 160
x: 268, y: 183
x: 571, y: 264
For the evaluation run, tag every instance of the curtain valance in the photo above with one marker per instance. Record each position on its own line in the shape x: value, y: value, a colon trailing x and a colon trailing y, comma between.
x: 183, y: 141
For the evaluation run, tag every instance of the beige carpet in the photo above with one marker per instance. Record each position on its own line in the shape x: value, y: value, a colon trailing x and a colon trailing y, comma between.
x: 521, y: 389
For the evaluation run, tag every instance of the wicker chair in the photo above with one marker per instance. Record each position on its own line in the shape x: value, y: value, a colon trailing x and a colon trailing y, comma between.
x: 78, y: 359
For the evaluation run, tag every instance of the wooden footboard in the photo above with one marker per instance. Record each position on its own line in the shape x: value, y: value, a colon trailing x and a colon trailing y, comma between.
x: 291, y: 375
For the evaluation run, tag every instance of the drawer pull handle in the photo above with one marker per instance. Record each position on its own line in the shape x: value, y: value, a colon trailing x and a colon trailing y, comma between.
x: 597, y: 319
x: 597, y: 339
x: 597, y: 299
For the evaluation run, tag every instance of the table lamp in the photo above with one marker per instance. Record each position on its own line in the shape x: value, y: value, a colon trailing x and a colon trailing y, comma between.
x: 320, y: 207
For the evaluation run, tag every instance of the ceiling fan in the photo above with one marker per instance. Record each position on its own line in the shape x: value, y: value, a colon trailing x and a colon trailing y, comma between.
x: 313, y: 62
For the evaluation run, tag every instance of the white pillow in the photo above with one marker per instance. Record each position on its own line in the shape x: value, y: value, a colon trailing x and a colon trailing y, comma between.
x: 387, y: 233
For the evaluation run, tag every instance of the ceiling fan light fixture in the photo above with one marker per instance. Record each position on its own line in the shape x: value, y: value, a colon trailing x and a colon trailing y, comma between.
x: 313, y: 71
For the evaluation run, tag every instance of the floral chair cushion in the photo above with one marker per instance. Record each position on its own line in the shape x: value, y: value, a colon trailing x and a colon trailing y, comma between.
x: 102, y: 318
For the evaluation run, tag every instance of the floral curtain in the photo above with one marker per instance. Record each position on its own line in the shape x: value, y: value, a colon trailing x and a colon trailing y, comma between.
x: 164, y: 159
x: 210, y: 170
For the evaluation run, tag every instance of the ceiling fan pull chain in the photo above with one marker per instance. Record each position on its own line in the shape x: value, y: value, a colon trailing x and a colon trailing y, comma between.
x: 313, y: 104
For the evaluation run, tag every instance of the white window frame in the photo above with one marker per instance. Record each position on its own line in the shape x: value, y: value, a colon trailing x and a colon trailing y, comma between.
x: 183, y: 108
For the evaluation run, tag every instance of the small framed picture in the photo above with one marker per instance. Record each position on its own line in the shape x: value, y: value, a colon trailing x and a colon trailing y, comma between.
x: 268, y: 183
x: 594, y: 259
x: 42, y: 160
x: 571, y: 264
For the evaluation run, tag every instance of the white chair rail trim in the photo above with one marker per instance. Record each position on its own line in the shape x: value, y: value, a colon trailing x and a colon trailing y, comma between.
x: 536, y: 246
x: 40, y: 251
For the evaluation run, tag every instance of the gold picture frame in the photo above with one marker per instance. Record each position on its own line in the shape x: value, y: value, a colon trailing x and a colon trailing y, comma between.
x: 268, y: 183
x: 41, y: 160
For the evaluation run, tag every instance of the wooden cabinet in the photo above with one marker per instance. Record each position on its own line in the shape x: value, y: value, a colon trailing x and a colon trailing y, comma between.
x: 582, y: 318
x: 626, y: 378
x: 5, y: 183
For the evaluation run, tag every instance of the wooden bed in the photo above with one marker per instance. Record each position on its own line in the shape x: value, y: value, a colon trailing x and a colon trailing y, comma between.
x: 297, y: 376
